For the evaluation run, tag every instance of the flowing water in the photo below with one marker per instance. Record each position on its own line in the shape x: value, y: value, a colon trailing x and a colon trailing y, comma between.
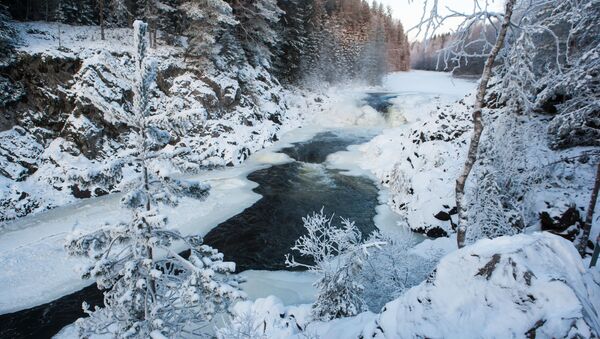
x: 260, y: 236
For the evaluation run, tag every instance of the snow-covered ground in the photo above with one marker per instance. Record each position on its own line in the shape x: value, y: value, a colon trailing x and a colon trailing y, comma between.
x: 34, y: 246
x: 414, y: 161
x: 510, y: 287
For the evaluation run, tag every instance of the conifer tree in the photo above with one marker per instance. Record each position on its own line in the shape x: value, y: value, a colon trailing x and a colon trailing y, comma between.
x: 150, y: 289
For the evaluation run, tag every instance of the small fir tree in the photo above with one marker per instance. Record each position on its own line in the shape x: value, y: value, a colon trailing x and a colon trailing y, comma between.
x: 151, y: 290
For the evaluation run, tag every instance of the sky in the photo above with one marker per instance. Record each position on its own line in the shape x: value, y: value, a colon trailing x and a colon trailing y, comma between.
x: 410, y: 11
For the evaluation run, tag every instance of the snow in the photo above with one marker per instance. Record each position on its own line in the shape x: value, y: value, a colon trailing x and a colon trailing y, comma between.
x: 501, y: 288
x: 417, y: 178
x: 536, y: 278
x: 292, y: 288
x: 33, y: 246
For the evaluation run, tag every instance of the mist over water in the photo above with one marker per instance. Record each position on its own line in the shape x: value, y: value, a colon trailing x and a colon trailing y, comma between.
x: 260, y: 236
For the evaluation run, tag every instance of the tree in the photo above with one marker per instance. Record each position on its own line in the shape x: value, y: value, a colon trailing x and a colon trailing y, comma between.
x: 101, y: 17
x: 120, y: 14
x: 256, y: 28
x: 587, y: 226
x: 7, y: 36
x: 151, y: 290
x: 206, y: 21
x: 390, y: 270
x: 59, y: 16
x: 459, y: 50
x: 337, y: 254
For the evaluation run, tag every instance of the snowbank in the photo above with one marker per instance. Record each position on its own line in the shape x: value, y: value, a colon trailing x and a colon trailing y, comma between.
x: 417, y: 162
x: 508, y: 287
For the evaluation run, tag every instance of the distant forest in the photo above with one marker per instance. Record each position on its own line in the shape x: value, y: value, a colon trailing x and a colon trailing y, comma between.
x: 297, y: 40
x: 439, y: 53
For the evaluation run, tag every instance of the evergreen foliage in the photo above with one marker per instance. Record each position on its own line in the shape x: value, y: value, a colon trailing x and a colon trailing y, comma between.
x: 150, y: 289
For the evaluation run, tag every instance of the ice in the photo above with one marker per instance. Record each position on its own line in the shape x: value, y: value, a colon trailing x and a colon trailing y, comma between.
x: 292, y: 288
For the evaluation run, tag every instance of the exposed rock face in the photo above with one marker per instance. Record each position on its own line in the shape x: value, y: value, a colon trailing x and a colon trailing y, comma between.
x: 568, y: 225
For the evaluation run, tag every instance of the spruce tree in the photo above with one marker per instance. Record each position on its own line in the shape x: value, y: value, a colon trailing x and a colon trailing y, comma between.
x: 150, y: 289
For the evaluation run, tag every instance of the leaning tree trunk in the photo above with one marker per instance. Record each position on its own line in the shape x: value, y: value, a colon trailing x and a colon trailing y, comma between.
x: 478, y: 124
x: 587, y: 226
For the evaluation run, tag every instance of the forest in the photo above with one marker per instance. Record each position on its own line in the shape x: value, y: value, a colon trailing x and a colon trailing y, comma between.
x: 324, y: 40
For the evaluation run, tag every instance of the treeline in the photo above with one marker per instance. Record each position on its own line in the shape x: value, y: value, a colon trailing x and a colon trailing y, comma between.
x: 297, y: 40
x: 440, y: 52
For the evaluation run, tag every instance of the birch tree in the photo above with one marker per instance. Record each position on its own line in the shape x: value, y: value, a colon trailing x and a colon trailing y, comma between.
x: 457, y: 50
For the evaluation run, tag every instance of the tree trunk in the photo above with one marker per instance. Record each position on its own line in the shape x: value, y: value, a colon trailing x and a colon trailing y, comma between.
x: 101, y: 8
x: 27, y: 9
x: 59, y: 36
x: 596, y: 252
x: 478, y: 124
x: 587, y: 226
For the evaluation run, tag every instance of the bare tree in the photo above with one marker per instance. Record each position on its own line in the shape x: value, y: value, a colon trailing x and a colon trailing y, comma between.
x: 457, y: 50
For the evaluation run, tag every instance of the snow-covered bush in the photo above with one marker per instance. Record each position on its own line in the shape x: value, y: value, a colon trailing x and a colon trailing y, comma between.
x: 338, y: 255
x: 267, y: 318
x: 390, y: 270
x: 151, y: 290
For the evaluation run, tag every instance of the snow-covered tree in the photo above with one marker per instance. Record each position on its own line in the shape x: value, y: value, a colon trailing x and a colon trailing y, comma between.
x: 337, y: 255
x: 7, y: 36
x: 256, y: 27
x: 390, y: 270
x: 459, y: 49
x: 206, y: 21
x: 101, y: 8
x: 150, y: 289
x: 59, y: 16
x: 119, y: 13
x: 517, y: 75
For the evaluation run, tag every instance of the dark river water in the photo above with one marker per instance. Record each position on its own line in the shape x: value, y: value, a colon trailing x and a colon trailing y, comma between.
x: 260, y: 236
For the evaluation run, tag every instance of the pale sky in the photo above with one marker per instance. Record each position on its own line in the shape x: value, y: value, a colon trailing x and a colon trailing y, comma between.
x: 410, y: 11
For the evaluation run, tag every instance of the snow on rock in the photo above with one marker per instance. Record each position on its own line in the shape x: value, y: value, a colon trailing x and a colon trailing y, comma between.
x: 508, y: 287
x: 65, y: 142
x: 419, y: 158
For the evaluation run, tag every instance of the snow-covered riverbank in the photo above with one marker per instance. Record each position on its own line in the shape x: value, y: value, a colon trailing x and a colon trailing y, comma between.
x: 35, y: 248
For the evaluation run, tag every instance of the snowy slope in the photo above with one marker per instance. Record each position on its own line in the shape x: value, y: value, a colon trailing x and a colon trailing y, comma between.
x: 418, y: 160
x: 508, y: 287
x: 65, y: 142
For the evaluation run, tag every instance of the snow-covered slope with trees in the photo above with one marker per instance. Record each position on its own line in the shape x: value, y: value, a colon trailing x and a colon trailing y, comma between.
x: 65, y: 141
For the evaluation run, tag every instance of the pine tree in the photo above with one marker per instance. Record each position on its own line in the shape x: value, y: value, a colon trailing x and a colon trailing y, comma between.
x: 206, y: 21
x: 7, y: 36
x: 293, y: 49
x: 256, y: 28
x: 151, y: 291
x: 119, y: 13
